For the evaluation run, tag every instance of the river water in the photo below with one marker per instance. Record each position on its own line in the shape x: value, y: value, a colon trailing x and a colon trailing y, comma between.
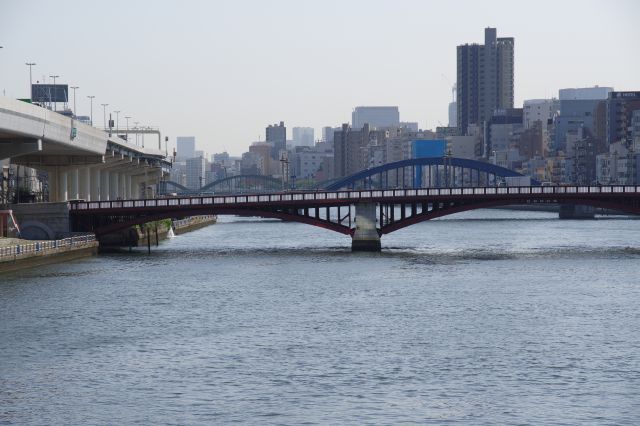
x: 486, y: 317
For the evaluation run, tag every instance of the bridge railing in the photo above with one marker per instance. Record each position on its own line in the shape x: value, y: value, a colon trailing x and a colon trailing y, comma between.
x: 348, y: 195
x: 17, y: 250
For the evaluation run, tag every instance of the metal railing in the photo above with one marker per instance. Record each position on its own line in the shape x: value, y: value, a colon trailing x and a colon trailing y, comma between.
x: 16, y: 250
x: 353, y: 196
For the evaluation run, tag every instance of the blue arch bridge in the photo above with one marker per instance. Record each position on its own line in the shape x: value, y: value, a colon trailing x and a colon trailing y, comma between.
x: 433, y: 172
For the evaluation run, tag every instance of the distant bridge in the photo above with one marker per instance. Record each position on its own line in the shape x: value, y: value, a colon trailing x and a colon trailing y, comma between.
x: 230, y: 184
x: 365, y: 215
x: 432, y: 172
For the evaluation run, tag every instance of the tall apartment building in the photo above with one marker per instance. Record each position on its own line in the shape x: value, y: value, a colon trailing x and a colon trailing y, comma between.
x: 375, y: 116
x: 350, y: 150
x: 277, y: 136
x: 484, y: 79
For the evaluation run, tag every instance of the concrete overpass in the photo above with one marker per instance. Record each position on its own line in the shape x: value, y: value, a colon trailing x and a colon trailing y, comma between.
x: 81, y: 161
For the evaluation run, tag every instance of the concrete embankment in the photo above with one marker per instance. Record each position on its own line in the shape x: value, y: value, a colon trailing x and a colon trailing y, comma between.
x: 16, y: 254
x: 154, y: 232
x: 19, y: 254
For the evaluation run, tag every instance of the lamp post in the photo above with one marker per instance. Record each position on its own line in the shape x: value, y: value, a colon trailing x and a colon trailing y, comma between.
x: 30, y: 64
x: 117, y: 114
x: 74, y: 99
x: 104, y: 117
x: 135, y: 123
x: 91, y: 98
x: 55, y: 104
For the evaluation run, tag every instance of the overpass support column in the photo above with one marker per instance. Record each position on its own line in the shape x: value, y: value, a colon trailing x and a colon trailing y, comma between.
x: 72, y: 182
x: 52, y: 184
x: 104, y: 185
x: 94, y: 195
x: 127, y: 187
x: 366, y: 236
x: 84, y: 182
x: 62, y: 186
x: 122, y: 185
x: 113, y: 185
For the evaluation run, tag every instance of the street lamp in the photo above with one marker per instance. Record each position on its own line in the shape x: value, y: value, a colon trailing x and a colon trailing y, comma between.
x: 74, y: 99
x: 91, y: 98
x: 127, y: 118
x: 30, y: 64
x: 135, y: 123
x: 104, y: 117
x: 117, y: 113
x: 55, y: 104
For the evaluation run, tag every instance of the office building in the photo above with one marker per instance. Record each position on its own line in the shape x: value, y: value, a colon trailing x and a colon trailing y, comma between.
x: 303, y: 136
x: 484, y: 79
x: 621, y: 107
x: 577, y: 108
x: 502, y: 131
x: 453, y: 114
x: 377, y: 117
x: 195, y: 171
x: 185, y: 147
x: 277, y: 136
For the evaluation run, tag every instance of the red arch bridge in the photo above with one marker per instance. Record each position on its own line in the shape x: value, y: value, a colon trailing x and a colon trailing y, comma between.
x: 365, y: 215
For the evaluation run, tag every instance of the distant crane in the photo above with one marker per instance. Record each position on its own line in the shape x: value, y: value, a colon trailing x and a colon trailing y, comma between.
x: 454, y: 88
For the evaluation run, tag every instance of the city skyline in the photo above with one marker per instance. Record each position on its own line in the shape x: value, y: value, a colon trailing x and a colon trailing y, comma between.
x: 214, y: 72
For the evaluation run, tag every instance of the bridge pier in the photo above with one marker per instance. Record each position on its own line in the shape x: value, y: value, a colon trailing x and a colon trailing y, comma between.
x: 365, y: 236
x: 576, y: 211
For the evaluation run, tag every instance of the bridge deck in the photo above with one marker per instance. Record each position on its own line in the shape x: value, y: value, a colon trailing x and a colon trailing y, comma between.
x: 349, y: 197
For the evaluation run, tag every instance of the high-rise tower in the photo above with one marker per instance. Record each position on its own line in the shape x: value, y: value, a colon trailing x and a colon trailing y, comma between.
x: 485, y: 79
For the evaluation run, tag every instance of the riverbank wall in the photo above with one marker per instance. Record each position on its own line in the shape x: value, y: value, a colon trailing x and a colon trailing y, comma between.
x: 27, y: 255
x: 154, y: 232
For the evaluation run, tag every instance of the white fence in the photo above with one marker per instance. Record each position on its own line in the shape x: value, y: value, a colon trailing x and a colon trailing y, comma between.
x: 13, y: 251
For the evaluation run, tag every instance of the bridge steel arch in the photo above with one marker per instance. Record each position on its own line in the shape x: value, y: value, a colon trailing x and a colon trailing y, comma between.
x: 228, y: 185
x: 449, y: 172
x: 244, y: 182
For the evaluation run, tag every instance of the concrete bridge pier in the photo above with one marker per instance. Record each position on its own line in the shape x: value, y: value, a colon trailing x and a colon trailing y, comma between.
x: 576, y: 211
x: 366, y: 236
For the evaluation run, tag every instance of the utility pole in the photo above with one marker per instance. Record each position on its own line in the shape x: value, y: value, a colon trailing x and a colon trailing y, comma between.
x: 74, y: 99
x: 91, y: 98
x: 285, y: 168
x: 55, y: 104
x: 104, y: 115
x: 30, y: 64
x: 117, y: 120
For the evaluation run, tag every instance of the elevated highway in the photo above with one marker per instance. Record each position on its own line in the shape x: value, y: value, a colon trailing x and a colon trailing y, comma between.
x: 81, y: 161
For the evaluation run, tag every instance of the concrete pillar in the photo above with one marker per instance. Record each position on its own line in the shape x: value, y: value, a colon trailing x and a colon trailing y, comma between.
x: 122, y: 192
x: 62, y: 186
x: 72, y: 184
x: 127, y: 187
x: 84, y: 182
x: 94, y: 194
x: 113, y: 185
x: 365, y: 237
x: 104, y: 185
x: 52, y: 183
x: 135, y: 187
x: 573, y: 211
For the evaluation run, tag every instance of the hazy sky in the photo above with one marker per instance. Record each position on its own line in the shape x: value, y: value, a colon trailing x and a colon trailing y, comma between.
x: 223, y: 70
